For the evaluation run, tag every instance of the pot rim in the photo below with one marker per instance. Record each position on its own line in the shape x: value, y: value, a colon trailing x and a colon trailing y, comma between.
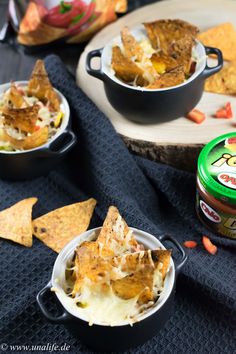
x: 139, y: 32
x: 58, y: 276
x: 64, y: 107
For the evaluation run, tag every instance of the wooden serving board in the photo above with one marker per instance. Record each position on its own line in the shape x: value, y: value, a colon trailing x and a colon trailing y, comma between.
x: 177, y: 142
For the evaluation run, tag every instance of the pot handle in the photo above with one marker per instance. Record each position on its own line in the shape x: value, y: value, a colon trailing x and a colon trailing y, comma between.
x: 56, y: 148
x: 184, y: 255
x: 65, y: 316
x: 208, y: 71
x: 94, y: 72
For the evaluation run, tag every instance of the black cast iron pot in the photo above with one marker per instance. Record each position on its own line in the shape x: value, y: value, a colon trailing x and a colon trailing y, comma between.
x: 28, y: 164
x: 152, y: 106
x: 106, y: 338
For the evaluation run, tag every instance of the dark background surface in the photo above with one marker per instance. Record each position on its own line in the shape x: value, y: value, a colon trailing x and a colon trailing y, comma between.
x: 17, y: 64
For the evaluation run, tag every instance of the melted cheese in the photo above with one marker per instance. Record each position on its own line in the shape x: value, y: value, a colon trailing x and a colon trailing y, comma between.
x: 146, y: 47
x: 104, y: 308
x: 95, y: 305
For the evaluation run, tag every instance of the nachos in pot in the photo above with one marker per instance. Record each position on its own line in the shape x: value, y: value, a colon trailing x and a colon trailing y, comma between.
x: 113, y: 278
x: 29, y: 115
x: 163, y: 58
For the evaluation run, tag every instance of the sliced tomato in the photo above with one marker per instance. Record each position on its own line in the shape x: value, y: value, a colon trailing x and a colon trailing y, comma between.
x: 56, y: 18
x: 225, y: 112
x: 190, y: 244
x: 75, y: 28
x: 196, y: 116
x: 212, y: 249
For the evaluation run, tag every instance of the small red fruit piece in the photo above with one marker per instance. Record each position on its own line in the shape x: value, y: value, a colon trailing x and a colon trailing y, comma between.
x: 229, y: 110
x: 212, y: 249
x: 221, y: 113
x: 225, y: 112
x: 190, y: 244
x: 196, y: 116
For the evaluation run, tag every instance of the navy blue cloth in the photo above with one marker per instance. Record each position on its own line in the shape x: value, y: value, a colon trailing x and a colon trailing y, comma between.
x: 153, y: 197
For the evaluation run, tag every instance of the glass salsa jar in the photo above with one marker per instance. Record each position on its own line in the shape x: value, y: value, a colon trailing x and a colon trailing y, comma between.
x: 216, y: 185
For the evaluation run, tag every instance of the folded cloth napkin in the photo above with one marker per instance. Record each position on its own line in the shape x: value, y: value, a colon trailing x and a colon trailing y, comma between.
x: 153, y: 197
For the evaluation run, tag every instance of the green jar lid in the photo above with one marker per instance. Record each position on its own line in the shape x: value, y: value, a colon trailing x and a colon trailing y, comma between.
x: 217, y: 168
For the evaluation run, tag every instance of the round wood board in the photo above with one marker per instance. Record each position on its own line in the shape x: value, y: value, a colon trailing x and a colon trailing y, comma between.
x: 177, y: 142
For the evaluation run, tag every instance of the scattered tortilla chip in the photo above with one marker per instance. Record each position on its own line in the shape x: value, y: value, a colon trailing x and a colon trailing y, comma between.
x: 22, y: 118
x: 163, y: 62
x: 181, y: 51
x: 116, y: 234
x: 15, y: 98
x: 125, y: 69
x: 132, y: 49
x: 171, y: 78
x: 138, y: 284
x: 163, y: 33
x: 60, y: 226
x: 223, y: 37
x: 32, y: 141
x: 40, y: 86
x: 16, y: 222
x: 159, y: 259
x: 224, y: 81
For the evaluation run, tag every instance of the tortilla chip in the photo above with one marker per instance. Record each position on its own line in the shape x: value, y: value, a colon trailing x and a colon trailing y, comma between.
x: 125, y: 69
x: 32, y: 141
x: 171, y: 78
x: 15, y: 98
x: 223, y: 37
x: 116, y: 234
x: 163, y: 33
x: 163, y: 62
x: 132, y: 49
x: 22, y: 118
x: 138, y: 284
x: 92, y: 264
x: 40, y: 86
x: 121, y: 6
x: 159, y: 259
x: 181, y: 51
x: 33, y: 31
x: 60, y: 226
x: 16, y: 222
x: 224, y: 81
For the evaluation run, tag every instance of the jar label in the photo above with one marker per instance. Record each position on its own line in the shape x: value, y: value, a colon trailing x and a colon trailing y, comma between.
x: 219, y: 222
x: 210, y: 213
x: 221, y: 162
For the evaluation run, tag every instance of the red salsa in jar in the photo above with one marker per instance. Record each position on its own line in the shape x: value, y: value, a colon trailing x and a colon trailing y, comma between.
x: 216, y: 185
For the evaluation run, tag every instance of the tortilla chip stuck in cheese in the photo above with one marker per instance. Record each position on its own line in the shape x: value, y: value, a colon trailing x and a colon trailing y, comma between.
x: 40, y: 86
x: 22, y: 118
x: 163, y: 33
x: 60, y: 226
x: 125, y: 69
x: 16, y: 222
x: 116, y: 234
